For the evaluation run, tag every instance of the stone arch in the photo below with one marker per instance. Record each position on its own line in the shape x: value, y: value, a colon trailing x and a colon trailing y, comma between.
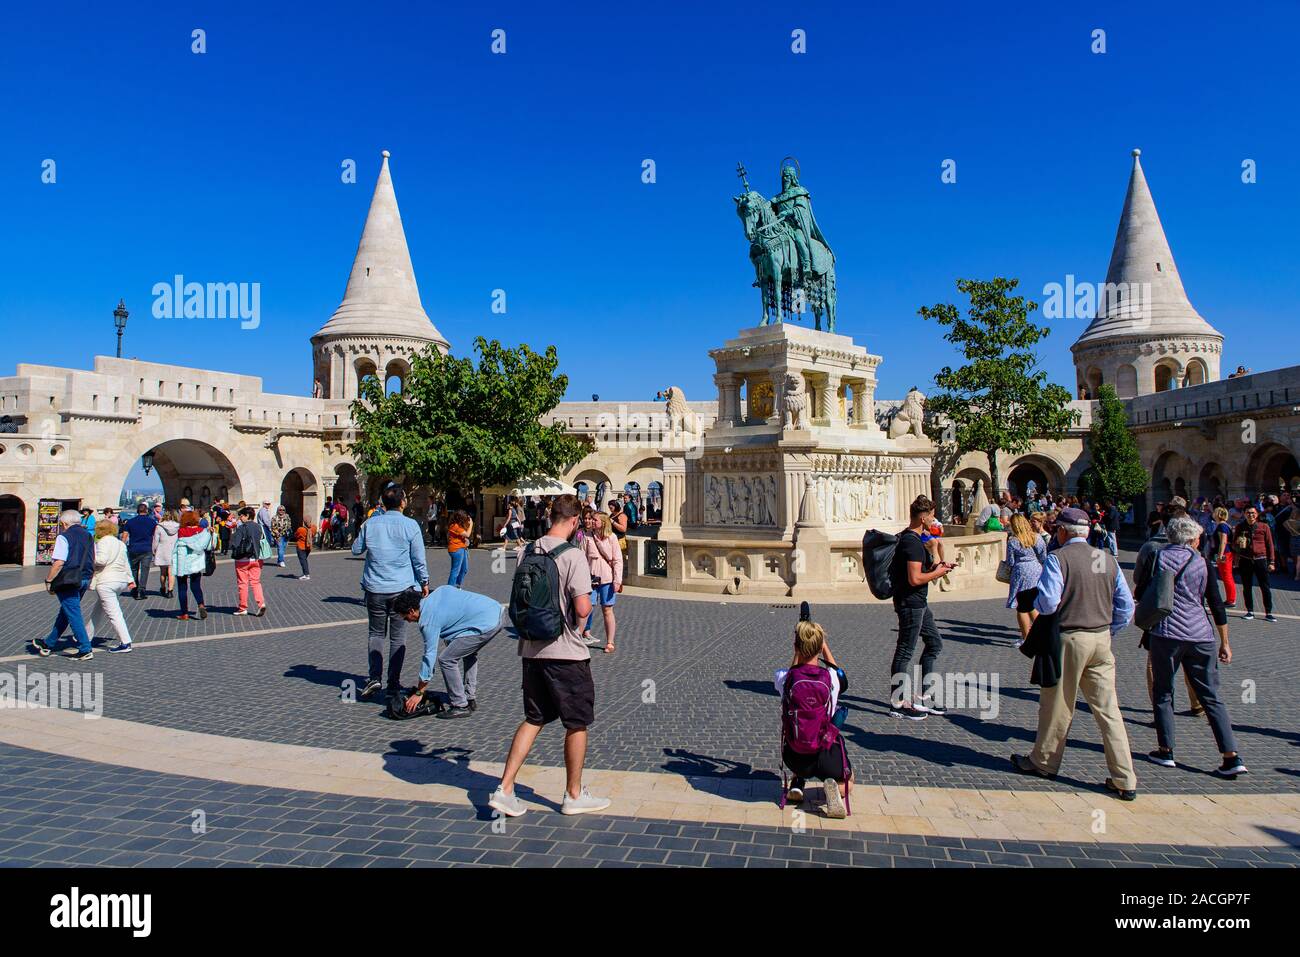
x: 1165, y: 375
x: 964, y: 484
x: 1093, y: 380
x: 1272, y: 467
x: 1195, y: 373
x: 1170, y: 475
x: 186, y: 455
x: 1211, y: 482
x: 1126, y: 381
x: 298, y: 495
x: 395, y: 374
x: 1040, y: 468
x: 646, y: 471
x: 13, y: 524
x: 365, y: 368
x: 347, y: 484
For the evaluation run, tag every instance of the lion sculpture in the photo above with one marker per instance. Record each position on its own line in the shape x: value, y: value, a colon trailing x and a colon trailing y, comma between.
x: 910, y: 417
x: 680, y: 416
x: 795, y: 403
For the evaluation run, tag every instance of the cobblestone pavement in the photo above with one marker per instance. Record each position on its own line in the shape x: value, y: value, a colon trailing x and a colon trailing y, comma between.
x: 57, y: 811
x: 688, y: 692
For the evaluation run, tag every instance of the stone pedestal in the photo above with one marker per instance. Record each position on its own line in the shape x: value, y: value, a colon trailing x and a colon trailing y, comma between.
x: 776, y: 495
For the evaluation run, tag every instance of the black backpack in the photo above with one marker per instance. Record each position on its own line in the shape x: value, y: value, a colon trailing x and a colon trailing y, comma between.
x: 877, y: 557
x: 396, y: 707
x: 535, y: 595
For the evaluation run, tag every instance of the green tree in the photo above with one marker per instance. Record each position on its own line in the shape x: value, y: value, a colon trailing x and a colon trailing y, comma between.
x: 1116, y: 471
x: 466, y: 425
x: 999, y: 401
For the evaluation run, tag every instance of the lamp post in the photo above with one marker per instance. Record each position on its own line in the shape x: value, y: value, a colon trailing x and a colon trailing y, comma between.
x: 119, y: 319
x: 146, y: 460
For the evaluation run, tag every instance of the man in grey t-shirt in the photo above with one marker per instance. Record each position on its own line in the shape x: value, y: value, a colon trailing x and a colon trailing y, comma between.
x: 557, y: 674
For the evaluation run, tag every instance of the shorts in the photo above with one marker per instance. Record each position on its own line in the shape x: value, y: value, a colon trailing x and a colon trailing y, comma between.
x: 830, y: 762
x: 559, y: 689
x: 1025, y: 600
x: 604, y: 594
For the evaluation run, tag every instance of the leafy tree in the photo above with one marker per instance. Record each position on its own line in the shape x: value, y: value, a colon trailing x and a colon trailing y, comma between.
x: 466, y: 425
x: 1000, y: 401
x: 1116, y: 471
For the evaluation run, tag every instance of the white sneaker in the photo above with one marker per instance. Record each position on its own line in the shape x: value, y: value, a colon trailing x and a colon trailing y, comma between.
x: 238, y: 613
x: 507, y: 804
x: 281, y: 564
x: 583, y: 803
x: 834, y: 801
x: 304, y: 578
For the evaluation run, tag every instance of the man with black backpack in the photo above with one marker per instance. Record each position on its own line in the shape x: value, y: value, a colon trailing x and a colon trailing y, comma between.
x: 549, y: 601
x: 910, y: 573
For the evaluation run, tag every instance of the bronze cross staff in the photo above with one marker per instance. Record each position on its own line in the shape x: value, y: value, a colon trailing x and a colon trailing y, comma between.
x: 742, y: 173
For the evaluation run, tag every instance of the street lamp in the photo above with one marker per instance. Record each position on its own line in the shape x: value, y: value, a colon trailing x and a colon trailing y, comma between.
x: 119, y: 319
x: 147, y: 461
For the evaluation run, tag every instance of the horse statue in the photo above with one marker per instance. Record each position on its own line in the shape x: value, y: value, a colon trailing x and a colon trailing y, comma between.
x: 795, y: 268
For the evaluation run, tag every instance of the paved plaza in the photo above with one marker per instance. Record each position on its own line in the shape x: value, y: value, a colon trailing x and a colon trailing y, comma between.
x: 243, y: 719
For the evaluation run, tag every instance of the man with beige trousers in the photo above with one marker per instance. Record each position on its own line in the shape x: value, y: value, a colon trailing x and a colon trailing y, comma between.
x: 1084, y: 587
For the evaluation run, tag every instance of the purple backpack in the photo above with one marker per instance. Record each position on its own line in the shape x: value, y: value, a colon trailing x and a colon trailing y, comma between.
x: 806, y: 710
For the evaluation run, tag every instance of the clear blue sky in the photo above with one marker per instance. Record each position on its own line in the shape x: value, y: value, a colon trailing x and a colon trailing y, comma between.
x: 523, y: 171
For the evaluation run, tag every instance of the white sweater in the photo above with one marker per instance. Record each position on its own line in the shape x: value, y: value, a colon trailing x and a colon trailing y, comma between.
x: 111, y: 565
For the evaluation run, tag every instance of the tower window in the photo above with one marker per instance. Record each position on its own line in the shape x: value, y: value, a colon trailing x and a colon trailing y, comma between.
x: 367, y: 270
x: 1158, y: 269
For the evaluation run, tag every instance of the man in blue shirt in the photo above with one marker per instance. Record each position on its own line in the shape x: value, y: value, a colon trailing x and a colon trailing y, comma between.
x: 394, y: 551
x: 1086, y: 590
x: 138, y: 533
x: 466, y: 621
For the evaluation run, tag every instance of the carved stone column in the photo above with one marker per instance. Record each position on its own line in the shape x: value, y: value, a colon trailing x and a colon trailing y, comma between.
x: 729, y: 412
x: 828, y: 406
x: 674, y: 493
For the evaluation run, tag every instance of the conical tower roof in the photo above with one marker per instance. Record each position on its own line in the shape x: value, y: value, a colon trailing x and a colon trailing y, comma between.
x: 1151, y: 301
x: 382, y: 299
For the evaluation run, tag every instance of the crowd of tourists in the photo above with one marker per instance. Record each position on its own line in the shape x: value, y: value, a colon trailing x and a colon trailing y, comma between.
x: 1064, y: 582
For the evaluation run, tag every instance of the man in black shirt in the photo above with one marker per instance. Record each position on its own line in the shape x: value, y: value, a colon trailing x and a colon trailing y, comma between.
x: 910, y: 574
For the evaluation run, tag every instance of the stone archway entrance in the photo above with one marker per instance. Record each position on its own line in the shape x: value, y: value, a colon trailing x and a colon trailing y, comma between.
x: 189, y: 468
x: 13, y: 514
x: 298, y: 496
x: 1272, y: 469
x: 347, y: 488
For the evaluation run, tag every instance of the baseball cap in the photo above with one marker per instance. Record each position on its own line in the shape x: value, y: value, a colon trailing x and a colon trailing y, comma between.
x: 1178, y: 502
x: 1073, y: 516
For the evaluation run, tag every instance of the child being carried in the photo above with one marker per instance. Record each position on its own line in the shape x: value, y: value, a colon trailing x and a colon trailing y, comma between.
x: 811, y: 745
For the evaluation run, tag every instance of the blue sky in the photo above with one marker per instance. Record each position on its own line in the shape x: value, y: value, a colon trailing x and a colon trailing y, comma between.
x: 523, y: 172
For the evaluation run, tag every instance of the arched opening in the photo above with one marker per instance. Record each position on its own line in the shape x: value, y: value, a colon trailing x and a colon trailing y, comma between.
x: 365, y: 369
x: 633, y: 492
x: 1195, y: 374
x: 298, y: 496
x: 183, y: 468
x: 1169, y: 477
x: 596, y: 482
x: 395, y: 376
x: 13, y: 516
x: 1034, y: 474
x: 1093, y: 380
x: 967, y: 483
x: 1126, y: 381
x: 347, y: 489
x: 654, y: 503
x: 1210, y: 483
x: 1164, y: 376
x: 1272, y: 469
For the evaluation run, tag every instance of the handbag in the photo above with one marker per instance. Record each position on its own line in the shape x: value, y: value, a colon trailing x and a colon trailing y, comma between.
x: 1157, y: 601
x: 1004, y: 571
x: 263, y: 548
x: 210, y: 560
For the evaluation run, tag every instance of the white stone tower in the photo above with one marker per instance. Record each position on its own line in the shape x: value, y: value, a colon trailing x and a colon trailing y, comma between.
x: 381, y: 323
x: 1146, y: 337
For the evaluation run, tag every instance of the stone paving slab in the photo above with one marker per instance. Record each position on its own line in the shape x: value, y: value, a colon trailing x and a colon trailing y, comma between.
x: 1087, y: 818
x: 57, y: 811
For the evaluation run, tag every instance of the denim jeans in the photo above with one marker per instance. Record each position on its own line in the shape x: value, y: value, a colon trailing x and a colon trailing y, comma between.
x: 279, y: 549
x: 914, y: 623
x: 459, y: 566
x: 302, y: 561
x: 192, y: 583
x: 70, y: 615
x: 385, y: 629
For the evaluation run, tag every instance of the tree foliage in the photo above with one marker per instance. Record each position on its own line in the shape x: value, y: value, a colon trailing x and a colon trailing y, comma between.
x: 999, y: 401
x: 1116, y: 471
x: 464, y: 424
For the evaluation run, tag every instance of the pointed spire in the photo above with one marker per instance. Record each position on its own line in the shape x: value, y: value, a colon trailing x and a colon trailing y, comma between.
x: 1144, y: 292
x: 382, y: 298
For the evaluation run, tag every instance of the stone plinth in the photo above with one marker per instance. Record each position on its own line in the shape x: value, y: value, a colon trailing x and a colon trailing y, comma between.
x: 775, y: 496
